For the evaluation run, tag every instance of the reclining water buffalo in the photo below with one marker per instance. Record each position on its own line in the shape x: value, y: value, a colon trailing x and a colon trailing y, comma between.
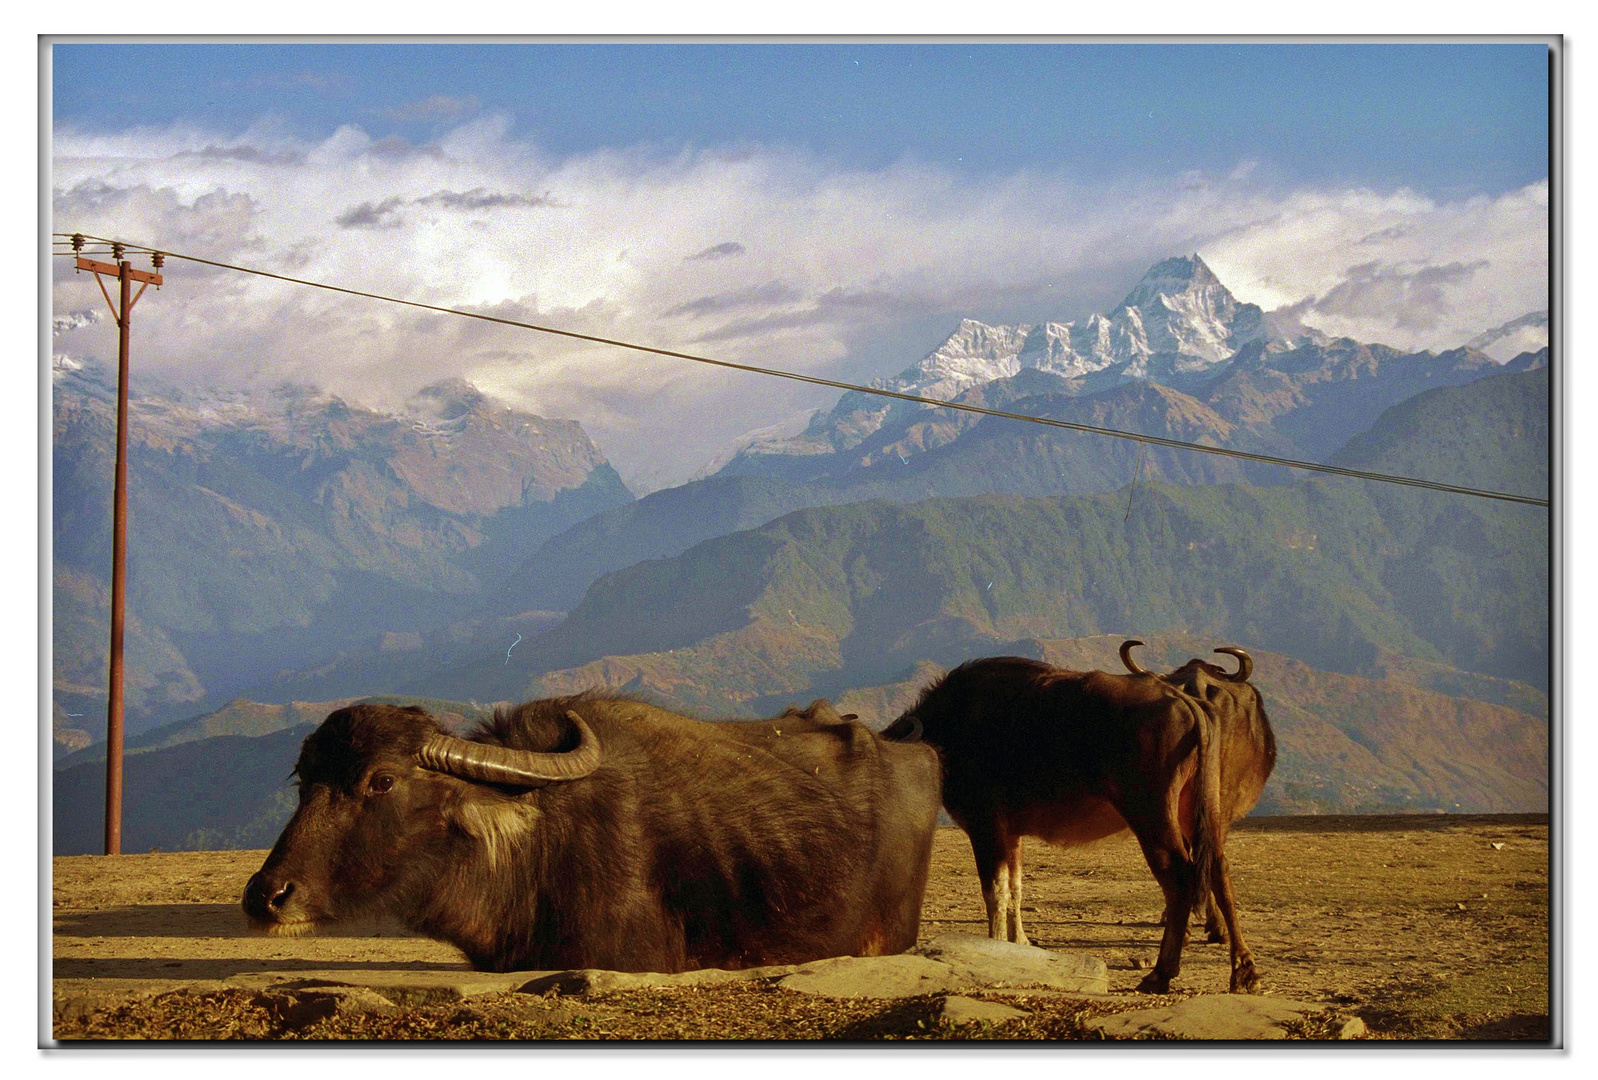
x: 1072, y: 757
x: 599, y: 832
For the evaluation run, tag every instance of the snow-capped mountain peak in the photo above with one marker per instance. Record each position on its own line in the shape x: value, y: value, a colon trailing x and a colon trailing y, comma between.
x: 974, y: 354
x: 1173, y: 277
x: 1184, y: 309
x: 1179, y: 320
x: 1179, y: 310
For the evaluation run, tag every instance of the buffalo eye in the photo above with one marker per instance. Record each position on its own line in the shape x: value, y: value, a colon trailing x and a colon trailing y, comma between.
x: 380, y: 784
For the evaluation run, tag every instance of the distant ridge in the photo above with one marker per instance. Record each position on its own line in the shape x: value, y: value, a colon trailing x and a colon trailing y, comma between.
x: 272, y: 526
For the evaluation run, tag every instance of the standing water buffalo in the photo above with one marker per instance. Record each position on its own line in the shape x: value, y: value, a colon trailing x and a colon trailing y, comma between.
x: 1238, y: 709
x: 599, y: 832
x: 1072, y: 757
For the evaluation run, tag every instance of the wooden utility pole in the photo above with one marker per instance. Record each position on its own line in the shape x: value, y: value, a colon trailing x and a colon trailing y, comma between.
x: 123, y: 313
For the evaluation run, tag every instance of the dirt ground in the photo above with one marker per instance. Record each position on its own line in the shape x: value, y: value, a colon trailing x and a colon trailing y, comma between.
x: 1425, y: 927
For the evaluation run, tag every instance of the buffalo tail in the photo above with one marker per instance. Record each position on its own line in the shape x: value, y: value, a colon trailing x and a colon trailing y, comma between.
x: 1207, y: 854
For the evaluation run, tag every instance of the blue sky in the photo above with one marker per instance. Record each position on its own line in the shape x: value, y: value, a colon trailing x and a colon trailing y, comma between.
x: 835, y: 209
x: 1441, y: 118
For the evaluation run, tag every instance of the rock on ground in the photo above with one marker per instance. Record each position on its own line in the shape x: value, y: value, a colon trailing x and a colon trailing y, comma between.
x: 990, y: 962
x: 904, y: 975
x: 964, y: 1010
x: 403, y: 987
x: 306, y: 1005
x: 1216, y: 1016
x: 949, y: 963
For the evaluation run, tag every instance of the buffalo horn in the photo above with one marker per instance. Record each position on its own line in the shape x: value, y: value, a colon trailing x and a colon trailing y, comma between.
x: 506, y: 765
x: 1245, y: 665
x: 1126, y: 657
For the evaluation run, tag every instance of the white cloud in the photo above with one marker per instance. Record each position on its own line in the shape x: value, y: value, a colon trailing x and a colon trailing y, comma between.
x: 758, y: 255
x: 1397, y: 268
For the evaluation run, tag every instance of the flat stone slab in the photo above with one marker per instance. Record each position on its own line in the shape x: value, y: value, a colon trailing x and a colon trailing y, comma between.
x: 964, y: 1010
x: 414, y: 987
x: 948, y: 964
x: 904, y: 975
x: 1241, y: 1017
x: 984, y: 961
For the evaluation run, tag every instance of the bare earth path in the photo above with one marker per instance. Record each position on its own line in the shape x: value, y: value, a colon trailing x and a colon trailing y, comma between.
x: 1432, y: 927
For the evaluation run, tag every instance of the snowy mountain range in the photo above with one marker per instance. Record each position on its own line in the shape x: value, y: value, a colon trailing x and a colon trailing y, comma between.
x: 1179, y: 311
x: 1177, y: 325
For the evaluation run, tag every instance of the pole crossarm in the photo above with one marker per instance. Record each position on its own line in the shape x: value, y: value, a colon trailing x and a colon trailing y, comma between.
x: 113, y: 269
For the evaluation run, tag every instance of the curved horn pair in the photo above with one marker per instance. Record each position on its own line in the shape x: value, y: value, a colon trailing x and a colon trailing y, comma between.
x: 1245, y: 664
x: 506, y: 765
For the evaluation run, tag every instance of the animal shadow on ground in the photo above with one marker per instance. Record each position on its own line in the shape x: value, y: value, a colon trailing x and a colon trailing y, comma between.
x: 1517, y: 1026
x: 199, y: 920
x: 908, y: 1016
x: 156, y: 920
x: 184, y: 967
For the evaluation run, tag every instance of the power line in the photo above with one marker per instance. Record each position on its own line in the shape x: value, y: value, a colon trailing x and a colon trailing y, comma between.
x: 816, y: 380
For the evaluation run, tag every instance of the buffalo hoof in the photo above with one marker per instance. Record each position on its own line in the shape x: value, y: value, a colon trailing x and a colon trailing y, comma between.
x: 1215, y: 937
x: 1154, y: 983
x: 1245, y: 980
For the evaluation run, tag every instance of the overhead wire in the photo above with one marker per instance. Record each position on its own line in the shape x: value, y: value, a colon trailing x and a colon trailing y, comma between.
x: 838, y: 384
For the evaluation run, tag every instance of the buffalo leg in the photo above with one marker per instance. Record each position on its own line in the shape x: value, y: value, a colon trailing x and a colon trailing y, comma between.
x: 1167, y: 858
x: 1012, y: 864
x: 1245, y: 980
x: 1213, y: 928
x: 993, y: 871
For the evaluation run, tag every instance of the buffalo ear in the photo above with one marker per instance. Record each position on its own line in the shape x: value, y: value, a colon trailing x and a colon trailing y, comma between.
x: 417, y: 709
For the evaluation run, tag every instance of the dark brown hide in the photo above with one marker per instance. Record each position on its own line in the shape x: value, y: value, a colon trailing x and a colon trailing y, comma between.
x: 692, y: 845
x: 1072, y: 757
x: 1248, y: 747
